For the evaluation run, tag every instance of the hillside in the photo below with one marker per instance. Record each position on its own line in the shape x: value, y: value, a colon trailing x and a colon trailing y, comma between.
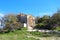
x: 16, y: 35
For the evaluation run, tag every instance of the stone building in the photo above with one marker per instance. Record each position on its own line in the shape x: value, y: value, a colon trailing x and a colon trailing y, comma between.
x: 30, y: 22
x: 27, y: 20
x: 22, y: 18
x: 2, y: 23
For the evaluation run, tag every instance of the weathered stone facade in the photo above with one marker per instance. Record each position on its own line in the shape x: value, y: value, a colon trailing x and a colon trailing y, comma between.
x: 30, y: 22
x: 27, y: 20
x: 22, y: 18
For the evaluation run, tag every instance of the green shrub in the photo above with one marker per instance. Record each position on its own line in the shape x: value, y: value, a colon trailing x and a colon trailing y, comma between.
x: 39, y: 26
x: 36, y: 33
x: 57, y: 28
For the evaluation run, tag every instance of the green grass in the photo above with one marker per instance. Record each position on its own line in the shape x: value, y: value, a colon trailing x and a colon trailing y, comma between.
x: 22, y: 35
x: 16, y: 35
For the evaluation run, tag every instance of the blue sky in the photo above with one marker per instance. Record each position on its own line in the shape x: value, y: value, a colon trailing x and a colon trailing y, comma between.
x: 33, y: 7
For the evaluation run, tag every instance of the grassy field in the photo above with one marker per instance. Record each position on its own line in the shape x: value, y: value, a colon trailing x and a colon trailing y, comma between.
x: 16, y: 35
x: 24, y: 35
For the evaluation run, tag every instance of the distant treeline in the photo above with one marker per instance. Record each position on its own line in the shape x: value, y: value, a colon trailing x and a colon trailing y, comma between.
x: 49, y: 22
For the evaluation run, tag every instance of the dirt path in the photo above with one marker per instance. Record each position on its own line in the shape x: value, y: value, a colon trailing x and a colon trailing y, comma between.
x: 43, y: 38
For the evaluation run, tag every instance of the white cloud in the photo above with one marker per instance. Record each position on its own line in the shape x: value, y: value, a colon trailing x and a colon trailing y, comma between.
x: 1, y: 15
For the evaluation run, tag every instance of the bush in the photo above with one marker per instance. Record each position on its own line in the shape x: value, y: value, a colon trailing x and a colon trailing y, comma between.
x: 58, y: 28
x: 2, y: 30
x: 39, y: 26
x: 36, y: 33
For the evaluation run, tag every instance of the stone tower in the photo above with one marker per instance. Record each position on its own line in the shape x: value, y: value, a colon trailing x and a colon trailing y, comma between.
x: 30, y: 22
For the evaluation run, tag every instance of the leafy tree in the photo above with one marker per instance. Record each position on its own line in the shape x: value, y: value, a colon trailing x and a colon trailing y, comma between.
x: 11, y: 22
x: 55, y: 19
x: 45, y: 18
x: 37, y: 20
x: 43, y: 22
